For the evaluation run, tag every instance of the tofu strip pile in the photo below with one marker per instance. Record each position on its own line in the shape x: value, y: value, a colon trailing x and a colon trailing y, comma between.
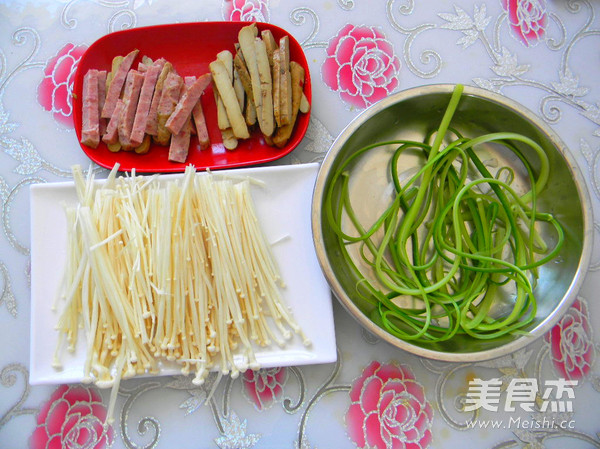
x: 261, y: 86
x: 173, y: 270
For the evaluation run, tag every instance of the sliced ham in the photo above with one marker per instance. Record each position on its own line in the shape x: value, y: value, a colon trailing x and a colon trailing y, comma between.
x: 144, y: 102
x: 90, y: 123
x: 116, y: 85
x: 184, y: 107
x: 111, y: 136
x: 101, y: 99
x: 170, y: 94
x: 180, y: 141
x: 200, y: 122
x: 188, y: 81
x: 152, y: 122
x: 127, y: 108
x: 133, y: 85
x: 180, y: 144
x: 168, y: 100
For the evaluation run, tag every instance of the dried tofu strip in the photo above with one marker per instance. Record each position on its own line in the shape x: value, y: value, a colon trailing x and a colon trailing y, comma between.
x: 168, y: 271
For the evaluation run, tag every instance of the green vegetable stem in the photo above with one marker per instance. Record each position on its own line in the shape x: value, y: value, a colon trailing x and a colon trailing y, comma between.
x: 454, y: 237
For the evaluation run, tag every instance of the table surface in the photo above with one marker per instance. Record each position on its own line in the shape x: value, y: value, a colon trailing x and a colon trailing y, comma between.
x: 542, y: 53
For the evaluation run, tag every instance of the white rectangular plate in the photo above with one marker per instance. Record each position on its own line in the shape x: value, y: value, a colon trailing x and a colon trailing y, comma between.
x: 283, y: 206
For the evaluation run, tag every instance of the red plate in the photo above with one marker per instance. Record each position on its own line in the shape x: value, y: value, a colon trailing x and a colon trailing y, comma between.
x: 190, y: 47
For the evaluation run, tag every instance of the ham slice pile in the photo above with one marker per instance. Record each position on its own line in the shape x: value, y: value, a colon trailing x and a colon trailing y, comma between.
x: 127, y: 108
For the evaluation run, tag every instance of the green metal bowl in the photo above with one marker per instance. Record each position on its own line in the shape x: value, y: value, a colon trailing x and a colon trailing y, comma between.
x: 411, y: 114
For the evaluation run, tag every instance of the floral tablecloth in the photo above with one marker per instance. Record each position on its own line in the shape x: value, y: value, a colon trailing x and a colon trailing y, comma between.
x: 543, y: 53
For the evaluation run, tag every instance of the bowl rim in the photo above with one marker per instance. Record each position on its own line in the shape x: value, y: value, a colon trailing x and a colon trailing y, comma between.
x: 465, y: 357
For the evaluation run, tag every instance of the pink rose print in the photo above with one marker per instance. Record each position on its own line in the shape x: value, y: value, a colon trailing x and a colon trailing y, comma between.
x: 264, y: 387
x: 571, y: 344
x: 55, y: 90
x: 389, y: 409
x: 73, y: 417
x: 361, y: 65
x: 246, y: 10
x: 528, y: 19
